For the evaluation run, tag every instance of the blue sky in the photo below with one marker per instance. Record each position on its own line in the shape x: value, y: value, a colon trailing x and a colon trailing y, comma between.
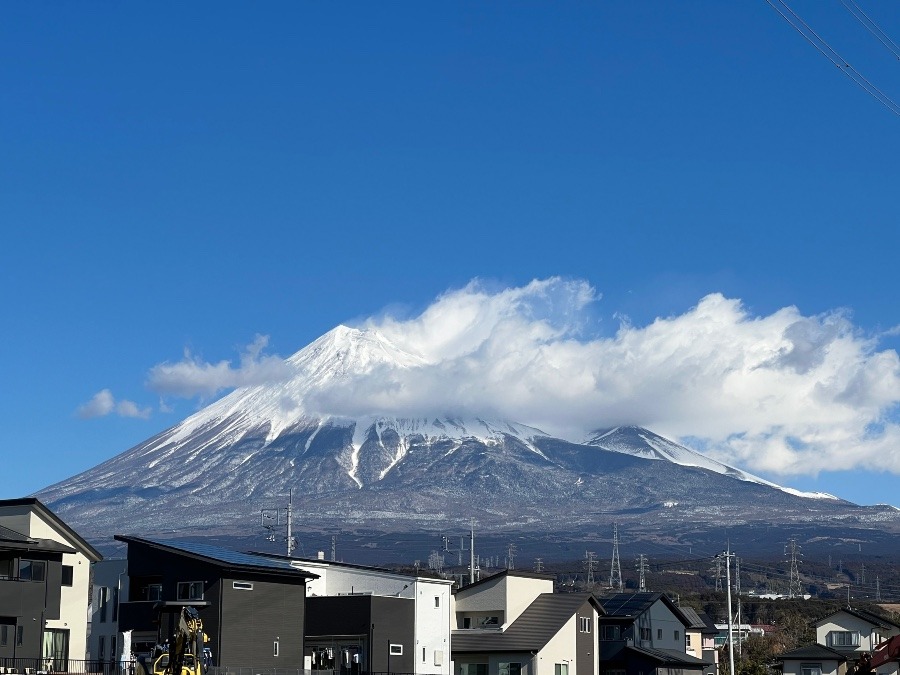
x: 187, y: 178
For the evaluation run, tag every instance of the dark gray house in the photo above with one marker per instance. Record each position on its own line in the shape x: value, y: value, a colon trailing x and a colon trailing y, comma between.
x: 253, y: 608
x: 643, y: 633
x: 31, y: 580
x: 354, y: 634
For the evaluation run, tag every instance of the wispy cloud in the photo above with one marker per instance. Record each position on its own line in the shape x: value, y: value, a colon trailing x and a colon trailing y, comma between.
x: 103, y: 403
x: 194, y: 377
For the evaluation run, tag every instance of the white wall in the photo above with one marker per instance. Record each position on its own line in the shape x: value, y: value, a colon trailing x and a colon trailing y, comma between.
x: 73, y: 600
x: 561, y: 649
x: 792, y: 667
x: 108, y: 574
x: 432, y: 624
x: 847, y: 622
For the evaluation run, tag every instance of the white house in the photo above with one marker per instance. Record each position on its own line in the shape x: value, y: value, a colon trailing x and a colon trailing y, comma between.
x: 106, y: 643
x: 514, y: 624
x: 65, y: 637
x: 854, y: 631
x: 424, y: 647
x: 813, y: 660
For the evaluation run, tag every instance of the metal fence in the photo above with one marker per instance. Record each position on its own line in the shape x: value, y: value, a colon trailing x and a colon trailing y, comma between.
x: 64, y: 667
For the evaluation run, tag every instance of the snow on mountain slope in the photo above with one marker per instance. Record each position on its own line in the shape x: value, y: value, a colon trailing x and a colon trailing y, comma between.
x: 639, y: 442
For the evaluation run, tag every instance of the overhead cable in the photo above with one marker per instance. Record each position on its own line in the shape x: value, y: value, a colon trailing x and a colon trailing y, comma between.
x: 871, y: 26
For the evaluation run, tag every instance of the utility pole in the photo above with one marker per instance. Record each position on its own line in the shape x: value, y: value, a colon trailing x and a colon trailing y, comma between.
x: 642, y: 573
x: 615, y: 569
x: 472, y: 554
x: 271, y: 520
x: 737, y: 591
x: 728, y: 555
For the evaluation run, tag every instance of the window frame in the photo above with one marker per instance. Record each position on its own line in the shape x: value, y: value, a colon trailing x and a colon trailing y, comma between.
x: 810, y: 669
x: 67, y: 578
x: 191, y: 587
x: 395, y: 649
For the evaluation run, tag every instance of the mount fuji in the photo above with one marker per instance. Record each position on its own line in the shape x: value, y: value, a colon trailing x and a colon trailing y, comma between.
x: 214, y: 471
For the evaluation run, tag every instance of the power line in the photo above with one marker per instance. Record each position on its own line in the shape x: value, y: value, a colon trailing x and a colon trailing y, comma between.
x: 829, y: 52
x: 871, y: 26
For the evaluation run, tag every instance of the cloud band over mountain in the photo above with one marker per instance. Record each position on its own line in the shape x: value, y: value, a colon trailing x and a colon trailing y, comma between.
x: 783, y: 393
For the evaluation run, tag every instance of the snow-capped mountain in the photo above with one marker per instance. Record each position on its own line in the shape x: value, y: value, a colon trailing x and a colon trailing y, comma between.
x: 217, y: 468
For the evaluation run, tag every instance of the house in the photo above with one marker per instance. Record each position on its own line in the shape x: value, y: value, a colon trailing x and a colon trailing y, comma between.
x: 645, y: 633
x: 253, y: 608
x: 106, y: 643
x: 700, y: 639
x: 367, y: 619
x: 813, y: 660
x: 513, y: 623
x: 854, y: 631
x: 60, y: 631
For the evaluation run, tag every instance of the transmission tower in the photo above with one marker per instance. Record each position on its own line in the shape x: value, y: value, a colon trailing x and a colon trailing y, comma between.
x: 795, y: 590
x: 590, y: 562
x: 511, y: 557
x: 877, y: 589
x: 436, y: 561
x: 615, y: 568
x: 333, y: 550
x: 538, y: 565
x: 862, y: 573
x: 642, y: 572
x: 717, y: 572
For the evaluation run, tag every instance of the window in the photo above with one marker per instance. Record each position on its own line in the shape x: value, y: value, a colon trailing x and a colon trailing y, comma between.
x: 242, y: 585
x: 103, y: 601
x: 646, y: 634
x: 659, y: 633
x: 190, y: 590
x: 275, y: 648
x: 4, y: 635
x: 677, y: 635
x: 6, y: 569
x: 396, y: 650
x: 115, y: 604
x: 20, y: 635
x: 101, y: 648
x: 438, y: 657
x: 474, y: 669
x: 32, y: 570
x: 67, y: 575
x: 611, y: 633
x: 561, y: 669
x: 584, y: 624
x: 811, y: 669
x: 112, y: 648
x: 510, y: 668
x: 423, y: 654
x: 687, y: 637
x: 844, y: 638
x: 437, y: 601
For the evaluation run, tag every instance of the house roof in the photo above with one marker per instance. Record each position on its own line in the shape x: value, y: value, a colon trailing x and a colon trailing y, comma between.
x: 867, y: 616
x: 811, y: 652
x: 16, y: 541
x: 703, y: 623
x: 36, y: 505
x: 346, y: 565
x: 626, y: 605
x: 508, y: 573
x: 532, y: 630
x: 222, y: 557
x: 668, y: 657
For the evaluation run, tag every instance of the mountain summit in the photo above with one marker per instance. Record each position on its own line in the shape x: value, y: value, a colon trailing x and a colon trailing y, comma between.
x: 214, y: 471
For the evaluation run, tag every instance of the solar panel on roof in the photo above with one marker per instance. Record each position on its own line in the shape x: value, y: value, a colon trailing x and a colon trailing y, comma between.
x: 227, y: 556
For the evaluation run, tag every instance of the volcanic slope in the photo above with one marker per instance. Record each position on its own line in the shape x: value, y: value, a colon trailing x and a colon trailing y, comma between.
x: 213, y: 472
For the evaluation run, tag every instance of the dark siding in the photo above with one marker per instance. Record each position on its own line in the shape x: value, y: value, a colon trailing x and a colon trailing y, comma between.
x: 54, y: 582
x: 394, y: 623
x: 586, y: 644
x: 253, y: 620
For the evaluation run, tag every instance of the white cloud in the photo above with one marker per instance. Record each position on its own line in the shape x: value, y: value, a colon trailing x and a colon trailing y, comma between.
x: 783, y: 393
x: 194, y: 377
x: 104, y: 403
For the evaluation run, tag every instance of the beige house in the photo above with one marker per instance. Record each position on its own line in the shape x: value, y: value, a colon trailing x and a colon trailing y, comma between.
x: 65, y: 637
x: 514, y: 624
x: 854, y: 631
